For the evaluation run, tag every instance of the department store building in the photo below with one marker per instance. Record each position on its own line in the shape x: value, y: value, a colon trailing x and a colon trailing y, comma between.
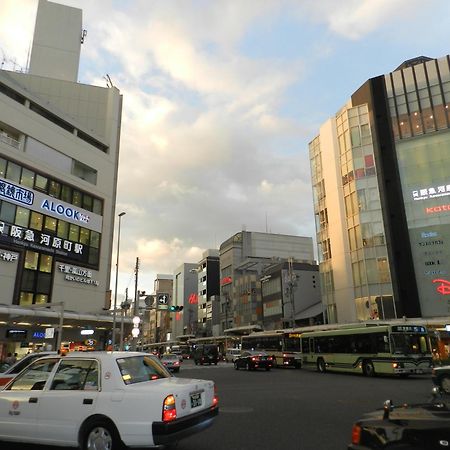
x: 59, y: 148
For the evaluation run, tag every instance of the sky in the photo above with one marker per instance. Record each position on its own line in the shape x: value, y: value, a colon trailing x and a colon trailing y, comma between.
x: 221, y: 98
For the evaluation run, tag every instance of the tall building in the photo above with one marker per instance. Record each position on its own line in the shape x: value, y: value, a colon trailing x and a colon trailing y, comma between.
x: 184, y: 294
x: 59, y: 149
x: 243, y: 258
x: 208, y: 294
x: 381, y: 190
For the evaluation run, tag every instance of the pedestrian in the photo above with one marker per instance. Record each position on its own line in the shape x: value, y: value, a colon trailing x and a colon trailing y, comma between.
x: 10, y: 359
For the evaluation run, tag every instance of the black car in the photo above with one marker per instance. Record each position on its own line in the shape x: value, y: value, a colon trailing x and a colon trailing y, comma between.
x: 441, y: 378
x: 406, y: 427
x: 252, y: 360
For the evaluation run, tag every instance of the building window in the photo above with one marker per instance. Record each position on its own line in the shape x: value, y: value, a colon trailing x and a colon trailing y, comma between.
x: 27, y: 178
x: 41, y: 183
x: 36, y: 221
x: 50, y: 224
x: 8, y: 212
x: 31, y: 260
x: 22, y: 216
x: 13, y: 172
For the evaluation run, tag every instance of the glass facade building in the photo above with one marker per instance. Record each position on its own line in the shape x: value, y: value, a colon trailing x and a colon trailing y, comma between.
x: 381, y: 197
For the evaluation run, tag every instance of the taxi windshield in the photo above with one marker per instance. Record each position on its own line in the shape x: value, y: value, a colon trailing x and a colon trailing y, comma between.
x: 137, y: 369
x: 409, y: 343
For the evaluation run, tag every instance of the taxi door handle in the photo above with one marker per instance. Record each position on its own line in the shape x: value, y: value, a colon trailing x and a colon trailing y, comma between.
x: 88, y: 401
x: 32, y: 400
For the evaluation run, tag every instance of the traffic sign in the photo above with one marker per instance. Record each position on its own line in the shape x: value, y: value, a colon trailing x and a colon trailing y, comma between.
x: 163, y: 299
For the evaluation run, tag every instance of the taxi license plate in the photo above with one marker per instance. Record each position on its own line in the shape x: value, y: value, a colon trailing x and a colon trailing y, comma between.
x: 196, y: 400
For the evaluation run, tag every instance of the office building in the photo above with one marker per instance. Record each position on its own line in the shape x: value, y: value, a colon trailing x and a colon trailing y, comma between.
x: 243, y: 258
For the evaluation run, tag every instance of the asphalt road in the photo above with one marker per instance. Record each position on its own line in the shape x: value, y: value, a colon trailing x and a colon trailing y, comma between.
x: 294, y: 409
x: 286, y: 408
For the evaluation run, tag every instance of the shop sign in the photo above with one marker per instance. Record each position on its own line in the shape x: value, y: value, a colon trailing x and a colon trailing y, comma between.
x: 38, y: 201
x: 8, y: 256
x: 65, y: 211
x: 437, y: 209
x: 86, y: 332
x: 431, y: 192
x: 225, y: 280
x: 77, y: 274
x: 39, y: 335
x: 10, y: 191
x: 444, y: 286
x: 49, y: 333
x: 409, y: 329
x: 16, y: 333
x: 42, y: 241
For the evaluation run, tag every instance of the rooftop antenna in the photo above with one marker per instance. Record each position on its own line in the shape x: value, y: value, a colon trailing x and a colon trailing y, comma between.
x: 83, y: 36
x: 109, y: 83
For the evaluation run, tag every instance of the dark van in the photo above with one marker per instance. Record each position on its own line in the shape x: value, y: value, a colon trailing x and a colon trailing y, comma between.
x: 205, y: 354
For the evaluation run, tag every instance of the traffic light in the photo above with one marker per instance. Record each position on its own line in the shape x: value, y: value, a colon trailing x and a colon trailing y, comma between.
x: 174, y: 308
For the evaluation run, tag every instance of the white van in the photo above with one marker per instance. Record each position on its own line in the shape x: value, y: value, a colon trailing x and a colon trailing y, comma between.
x: 232, y: 354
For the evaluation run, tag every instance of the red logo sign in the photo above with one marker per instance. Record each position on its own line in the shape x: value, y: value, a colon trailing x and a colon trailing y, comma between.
x: 225, y: 280
x: 444, y: 287
x: 193, y: 299
x: 437, y: 209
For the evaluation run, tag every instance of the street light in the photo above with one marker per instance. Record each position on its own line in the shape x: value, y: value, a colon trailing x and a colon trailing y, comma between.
x: 113, y: 340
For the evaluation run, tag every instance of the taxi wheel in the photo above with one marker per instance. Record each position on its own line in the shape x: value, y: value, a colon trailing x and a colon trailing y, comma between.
x: 445, y: 384
x: 101, y: 435
x: 236, y: 365
x: 247, y: 366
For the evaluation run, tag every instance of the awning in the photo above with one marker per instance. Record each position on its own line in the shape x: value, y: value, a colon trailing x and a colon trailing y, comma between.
x: 311, y: 311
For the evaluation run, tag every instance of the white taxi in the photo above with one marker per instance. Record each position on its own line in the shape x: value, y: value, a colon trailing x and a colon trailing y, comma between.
x: 102, y: 400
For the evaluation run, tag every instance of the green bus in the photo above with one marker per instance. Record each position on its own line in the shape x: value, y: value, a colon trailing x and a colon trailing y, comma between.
x: 370, y: 350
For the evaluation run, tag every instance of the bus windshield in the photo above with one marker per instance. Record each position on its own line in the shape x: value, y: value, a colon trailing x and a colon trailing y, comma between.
x: 408, y: 343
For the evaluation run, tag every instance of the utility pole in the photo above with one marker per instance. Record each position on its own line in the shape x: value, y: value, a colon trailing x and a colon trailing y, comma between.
x: 136, y: 303
x: 291, y: 284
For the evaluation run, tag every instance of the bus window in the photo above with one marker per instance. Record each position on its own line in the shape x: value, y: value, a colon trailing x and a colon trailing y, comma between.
x: 305, y: 345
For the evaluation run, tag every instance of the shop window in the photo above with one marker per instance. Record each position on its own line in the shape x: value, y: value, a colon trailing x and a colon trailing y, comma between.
x: 26, y: 298
x: 13, y: 172
x: 45, y: 263
x: 66, y: 194
x: 2, y: 167
x: 54, y: 189
x: 84, y: 236
x: 8, y: 212
x: 41, y: 183
x: 77, y: 198
x: 27, y: 178
x: 63, y: 229
x: 74, y: 231
x: 36, y: 221
x: 50, y: 224
x: 31, y: 260
x: 22, y: 217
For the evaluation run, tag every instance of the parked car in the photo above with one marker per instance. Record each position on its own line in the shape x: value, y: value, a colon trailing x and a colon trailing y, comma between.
x: 405, y: 427
x: 205, y: 354
x: 171, y: 362
x: 441, y: 378
x: 231, y: 354
x: 252, y: 360
x: 11, y: 371
x: 104, y: 400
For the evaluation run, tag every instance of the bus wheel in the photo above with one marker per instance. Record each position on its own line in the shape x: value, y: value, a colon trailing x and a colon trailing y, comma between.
x: 321, y: 366
x: 368, y: 369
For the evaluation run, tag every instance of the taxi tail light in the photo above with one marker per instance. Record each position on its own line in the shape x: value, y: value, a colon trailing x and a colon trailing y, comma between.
x: 269, y: 358
x: 254, y: 358
x: 169, y: 411
x: 215, y: 398
x: 356, y: 434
